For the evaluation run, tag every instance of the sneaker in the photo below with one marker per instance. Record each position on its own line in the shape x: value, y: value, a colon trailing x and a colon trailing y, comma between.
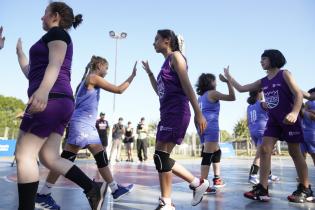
x: 258, y: 193
x: 253, y: 179
x: 199, y: 191
x: 96, y: 195
x: 301, y: 195
x: 121, y: 191
x: 273, y: 178
x: 218, y: 182
x: 44, y: 202
x: 210, y: 191
x: 163, y: 206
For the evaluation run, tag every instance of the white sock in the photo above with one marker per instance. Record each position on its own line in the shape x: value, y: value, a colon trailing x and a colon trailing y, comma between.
x: 167, y: 201
x: 195, y: 182
x: 46, y: 189
x: 113, y: 186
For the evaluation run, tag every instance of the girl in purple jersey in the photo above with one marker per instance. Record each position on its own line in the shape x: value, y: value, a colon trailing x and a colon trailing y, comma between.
x: 256, y: 121
x: 49, y: 109
x: 175, y: 92
x: 284, y: 101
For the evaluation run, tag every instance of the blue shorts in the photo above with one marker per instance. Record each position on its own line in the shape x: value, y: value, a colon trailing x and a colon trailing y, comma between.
x: 309, y: 142
x: 82, y: 134
x: 209, y: 136
x: 257, y: 138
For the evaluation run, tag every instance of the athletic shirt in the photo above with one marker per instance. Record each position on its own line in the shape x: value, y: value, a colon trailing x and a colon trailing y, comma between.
x: 308, y: 123
x: 172, y: 97
x: 38, y: 55
x: 210, y: 111
x: 278, y: 96
x: 257, y: 117
x: 86, y: 105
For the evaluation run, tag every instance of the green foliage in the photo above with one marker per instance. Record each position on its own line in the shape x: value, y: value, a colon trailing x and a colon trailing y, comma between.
x: 10, y: 107
x: 225, y: 136
x: 241, y: 131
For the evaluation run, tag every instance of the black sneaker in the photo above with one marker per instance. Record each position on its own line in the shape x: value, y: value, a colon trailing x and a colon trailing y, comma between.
x: 258, y: 193
x: 96, y: 195
x: 302, y: 194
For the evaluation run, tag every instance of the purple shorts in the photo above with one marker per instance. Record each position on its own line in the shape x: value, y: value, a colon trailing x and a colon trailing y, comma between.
x: 82, y: 134
x: 209, y: 136
x: 283, y: 132
x: 257, y: 138
x: 172, y: 128
x: 309, y: 142
x: 53, y: 119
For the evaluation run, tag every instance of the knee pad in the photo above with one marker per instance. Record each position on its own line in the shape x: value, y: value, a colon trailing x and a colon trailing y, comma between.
x: 163, y: 162
x: 216, y: 156
x: 68, y: 155
x: 101, y: 159
x: 206, y: 159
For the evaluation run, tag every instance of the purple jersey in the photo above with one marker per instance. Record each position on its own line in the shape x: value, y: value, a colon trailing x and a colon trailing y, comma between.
x: 38, y: 55
x: 280, y: 101
x: 309, y: 124
x: 172, y: 97
x: 256, y: 117
x: 174, y: 106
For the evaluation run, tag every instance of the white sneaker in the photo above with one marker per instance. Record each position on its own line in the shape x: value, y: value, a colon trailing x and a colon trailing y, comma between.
x: 199, y: 191
x: 253, y: 179
x: 163, y: 206
x: 273, y: 178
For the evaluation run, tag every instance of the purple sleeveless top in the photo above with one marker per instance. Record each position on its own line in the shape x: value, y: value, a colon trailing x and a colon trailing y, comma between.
x: 278, y: 96
x: 171, y: 94
x: 38, y: 55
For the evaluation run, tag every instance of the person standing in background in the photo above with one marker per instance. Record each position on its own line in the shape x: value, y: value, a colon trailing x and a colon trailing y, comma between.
x: 102, y: 127
x: 118, y: 134
x: 142, y: 141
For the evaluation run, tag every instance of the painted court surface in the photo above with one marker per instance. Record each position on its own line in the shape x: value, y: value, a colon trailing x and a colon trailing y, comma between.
x: 146, y: 192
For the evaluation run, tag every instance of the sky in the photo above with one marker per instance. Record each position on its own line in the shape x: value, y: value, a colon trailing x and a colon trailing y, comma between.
x: 216, y: 33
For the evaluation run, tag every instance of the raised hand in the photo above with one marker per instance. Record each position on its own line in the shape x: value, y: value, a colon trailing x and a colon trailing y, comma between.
x: 1, y: 38
x: 227, y: 73
x: 19, y: 46
x: 146, y: 67
x: 134, y: 71
x: 222, y: 78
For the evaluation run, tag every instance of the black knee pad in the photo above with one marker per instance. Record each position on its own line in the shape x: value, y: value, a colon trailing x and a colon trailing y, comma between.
x: 206, y: 159
x: 163, y: 162
x: 101, y: 159
x: 216, y: 156
x: 68, y: 155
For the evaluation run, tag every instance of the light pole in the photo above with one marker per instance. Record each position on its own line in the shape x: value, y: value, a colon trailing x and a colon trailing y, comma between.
x: 116, y: 36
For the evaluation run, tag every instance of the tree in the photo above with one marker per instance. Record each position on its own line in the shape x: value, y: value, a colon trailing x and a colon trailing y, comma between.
x: 10, y: 107
x: 241, y: 131
x: 225, y: 136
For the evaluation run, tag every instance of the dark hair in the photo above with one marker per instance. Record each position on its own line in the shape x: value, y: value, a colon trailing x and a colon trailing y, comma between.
x: 169, y: 34
x: 205, y: 83
x: 91, y: 66
x: 311, y: 90
x: 253, y: 97
x: 276, y: 58
x: 66, y: 13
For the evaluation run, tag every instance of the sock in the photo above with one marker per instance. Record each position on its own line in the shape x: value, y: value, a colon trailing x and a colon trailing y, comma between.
x: 113, y: 186
x: 167, y: 201
x: 27, y: 193
x: 195, y: 182
x: 254, y: 170
x: 78, y: 177
x: 46, y: 189
x: 216, y: 177
x: 270, y: 173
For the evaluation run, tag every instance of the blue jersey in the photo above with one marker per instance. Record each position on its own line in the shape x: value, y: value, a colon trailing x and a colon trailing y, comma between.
x: 86, y: 105
x: 210, y: 111
x: 308, y: 123
x: 257, y: 118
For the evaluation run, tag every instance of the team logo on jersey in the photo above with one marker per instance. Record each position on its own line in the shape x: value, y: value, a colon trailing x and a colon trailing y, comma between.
x: 160, y: 87
x: 272, y: 99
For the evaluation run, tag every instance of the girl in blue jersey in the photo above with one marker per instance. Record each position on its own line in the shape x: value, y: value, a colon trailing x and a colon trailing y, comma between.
x: 209, y: 102
x: 256, y: 121
x: 308, y: 113
x: 82, y: 129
